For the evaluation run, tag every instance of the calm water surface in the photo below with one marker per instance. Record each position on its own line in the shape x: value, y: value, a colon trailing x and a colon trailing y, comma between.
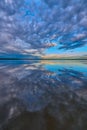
x: 43, y: 95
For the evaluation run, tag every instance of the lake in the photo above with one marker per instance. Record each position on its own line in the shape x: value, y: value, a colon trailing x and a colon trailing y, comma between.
x: 43, y: 95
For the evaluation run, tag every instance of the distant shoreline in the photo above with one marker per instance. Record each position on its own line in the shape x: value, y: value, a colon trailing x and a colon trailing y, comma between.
x: 36, y: 59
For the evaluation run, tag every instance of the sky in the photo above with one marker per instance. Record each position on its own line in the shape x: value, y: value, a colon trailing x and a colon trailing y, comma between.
x: 34, y: 28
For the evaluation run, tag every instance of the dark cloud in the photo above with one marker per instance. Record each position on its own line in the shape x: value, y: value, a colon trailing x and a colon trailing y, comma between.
x: 38, y: 23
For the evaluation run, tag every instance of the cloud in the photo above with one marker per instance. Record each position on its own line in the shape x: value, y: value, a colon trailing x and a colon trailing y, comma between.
x: 36, y: 24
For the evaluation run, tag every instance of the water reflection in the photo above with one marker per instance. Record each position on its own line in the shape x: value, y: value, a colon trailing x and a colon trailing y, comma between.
x: 47, y: 95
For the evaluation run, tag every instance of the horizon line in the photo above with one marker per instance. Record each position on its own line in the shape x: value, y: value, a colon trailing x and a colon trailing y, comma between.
x: 42, y: 59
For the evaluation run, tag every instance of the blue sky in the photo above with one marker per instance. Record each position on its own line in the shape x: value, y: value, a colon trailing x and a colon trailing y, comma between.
x: 54, y: 50
x: 34, y: 28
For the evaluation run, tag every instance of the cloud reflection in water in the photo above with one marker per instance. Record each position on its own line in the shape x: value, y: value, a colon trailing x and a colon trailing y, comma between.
x: 49, y: 92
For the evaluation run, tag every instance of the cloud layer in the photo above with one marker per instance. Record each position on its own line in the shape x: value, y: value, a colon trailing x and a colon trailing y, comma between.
x: 29, y: 27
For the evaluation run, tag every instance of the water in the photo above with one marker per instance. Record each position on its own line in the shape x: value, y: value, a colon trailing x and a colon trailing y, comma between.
x: 43, y: 95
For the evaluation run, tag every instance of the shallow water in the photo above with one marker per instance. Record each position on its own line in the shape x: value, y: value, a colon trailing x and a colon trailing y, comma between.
x: 43, y: 95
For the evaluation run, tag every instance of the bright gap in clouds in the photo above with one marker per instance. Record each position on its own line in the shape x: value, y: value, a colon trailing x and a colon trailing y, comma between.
x: 41, y: 27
